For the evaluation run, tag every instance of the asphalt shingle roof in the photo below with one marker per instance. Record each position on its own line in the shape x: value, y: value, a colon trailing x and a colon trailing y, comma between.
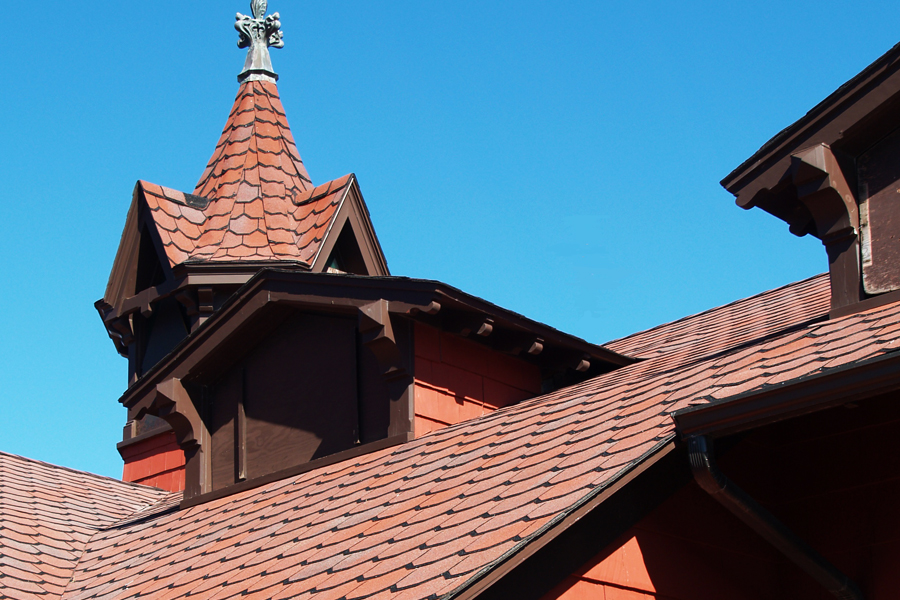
x: 421, y: 519
x: 48, y: 514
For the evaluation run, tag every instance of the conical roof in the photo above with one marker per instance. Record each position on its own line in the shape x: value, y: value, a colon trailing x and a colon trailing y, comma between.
x: 256, y: 156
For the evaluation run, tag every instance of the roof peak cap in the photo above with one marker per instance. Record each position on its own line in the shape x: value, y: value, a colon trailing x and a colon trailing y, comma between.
x: 258, y: 32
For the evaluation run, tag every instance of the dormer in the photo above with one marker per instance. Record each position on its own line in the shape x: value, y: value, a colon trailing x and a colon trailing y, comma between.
x: 299, y: 370
x: 835, y: 175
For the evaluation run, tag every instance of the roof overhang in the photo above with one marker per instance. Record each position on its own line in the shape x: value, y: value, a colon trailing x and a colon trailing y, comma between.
x: 849, y: 120
x: 272, y: 293
x: 836, y: 387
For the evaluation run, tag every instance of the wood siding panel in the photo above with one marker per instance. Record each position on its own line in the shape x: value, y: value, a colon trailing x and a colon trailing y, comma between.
x: 157, y: 461
x: 457, y: 379
x: 301, y: 397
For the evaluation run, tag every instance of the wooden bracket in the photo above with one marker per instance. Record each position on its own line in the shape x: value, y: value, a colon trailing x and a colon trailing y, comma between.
x: 188, y: 301
x: 518, y: 343
x: 583, y: 365
x: 432, y: 308
x: 824, y: 191
x: 122, y: 329
x: 469, y: 325
x: 172, y: 401
x: 377, y: 334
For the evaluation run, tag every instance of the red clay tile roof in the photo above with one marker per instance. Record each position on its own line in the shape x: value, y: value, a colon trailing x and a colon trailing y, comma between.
x: 245, y: 228
x: 262, y: 204
x: 421, y: 519
x: 47, y: 515
x: 725, y: 327
x: 256, y: 150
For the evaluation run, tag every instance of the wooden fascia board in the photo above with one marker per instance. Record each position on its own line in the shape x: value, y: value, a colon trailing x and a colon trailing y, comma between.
x: 126, y: 254
x: 332, y: 233
x: 394, y: 288
x: 352, y: 209
x: 481, y: 584
x: 825, y: 123
x: 125, y: 263
x: 849, y: 383
x: 335, y: 293
x: 365, y: 232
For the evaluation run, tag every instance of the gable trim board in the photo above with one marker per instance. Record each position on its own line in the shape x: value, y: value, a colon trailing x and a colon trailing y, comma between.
x: 557, y: 546
x: 875, y: 86
x: 352, y: 210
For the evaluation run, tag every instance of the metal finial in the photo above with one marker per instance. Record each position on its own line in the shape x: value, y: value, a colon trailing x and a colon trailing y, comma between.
x: 258, y: 33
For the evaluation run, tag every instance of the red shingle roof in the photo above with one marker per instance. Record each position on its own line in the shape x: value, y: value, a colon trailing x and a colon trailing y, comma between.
x: 256, y: 150
x: 249, y: 229
x: 261, y: 203
x: 47, y: 515
x: 419, y: 520
x: 726, y: 327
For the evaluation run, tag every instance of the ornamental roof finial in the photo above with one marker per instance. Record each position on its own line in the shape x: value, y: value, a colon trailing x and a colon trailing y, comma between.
x: 259, y: 33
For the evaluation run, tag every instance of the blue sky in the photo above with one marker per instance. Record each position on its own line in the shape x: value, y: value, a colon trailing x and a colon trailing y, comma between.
x: 559, y: 159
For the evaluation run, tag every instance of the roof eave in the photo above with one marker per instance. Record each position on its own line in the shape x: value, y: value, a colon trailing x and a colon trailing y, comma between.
x: 835, y: 387
x: 812, y: 126
x: 415, y: 297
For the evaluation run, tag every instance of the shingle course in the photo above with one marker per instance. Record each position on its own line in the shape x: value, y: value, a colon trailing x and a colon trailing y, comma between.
x: 48, y: 514
x: 262, y: 204
x: 419, y: 520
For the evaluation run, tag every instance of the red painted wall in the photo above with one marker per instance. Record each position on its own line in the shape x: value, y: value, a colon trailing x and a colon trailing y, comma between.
x: 690, y: 548
x: 830, y: 477
x: 457, y: 379
x: 156, y: 461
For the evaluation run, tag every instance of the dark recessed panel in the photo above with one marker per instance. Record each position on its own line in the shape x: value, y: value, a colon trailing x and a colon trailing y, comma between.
x: 222, y: 429
x: 301, y: 396
x: 879, y: 175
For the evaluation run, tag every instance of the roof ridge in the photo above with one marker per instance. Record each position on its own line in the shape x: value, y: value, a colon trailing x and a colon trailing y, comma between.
x: 716, y: 308
x: 80, y: 472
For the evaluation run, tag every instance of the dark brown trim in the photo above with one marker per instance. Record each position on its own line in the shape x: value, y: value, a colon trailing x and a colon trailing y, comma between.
x: 523, y: 571
x: 298, y: 470
x: 126, y: 255
x: 862, y: 305
x: 739, y: 503
x: 241, y: 428
x: 827, y: 120
x: 344, y: 293
x: 835, y: 387
x: 353, y: 211
x: 162, y: 429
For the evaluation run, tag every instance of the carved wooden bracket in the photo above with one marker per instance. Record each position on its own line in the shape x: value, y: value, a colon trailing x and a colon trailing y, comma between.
x: 824, y: 191
x: 198, y: 304
x: 377, y: 334
x: 188, y: 301
x: 172, y: 402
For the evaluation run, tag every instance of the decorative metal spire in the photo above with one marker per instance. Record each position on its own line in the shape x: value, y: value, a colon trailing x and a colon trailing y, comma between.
x: 259, y: 33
